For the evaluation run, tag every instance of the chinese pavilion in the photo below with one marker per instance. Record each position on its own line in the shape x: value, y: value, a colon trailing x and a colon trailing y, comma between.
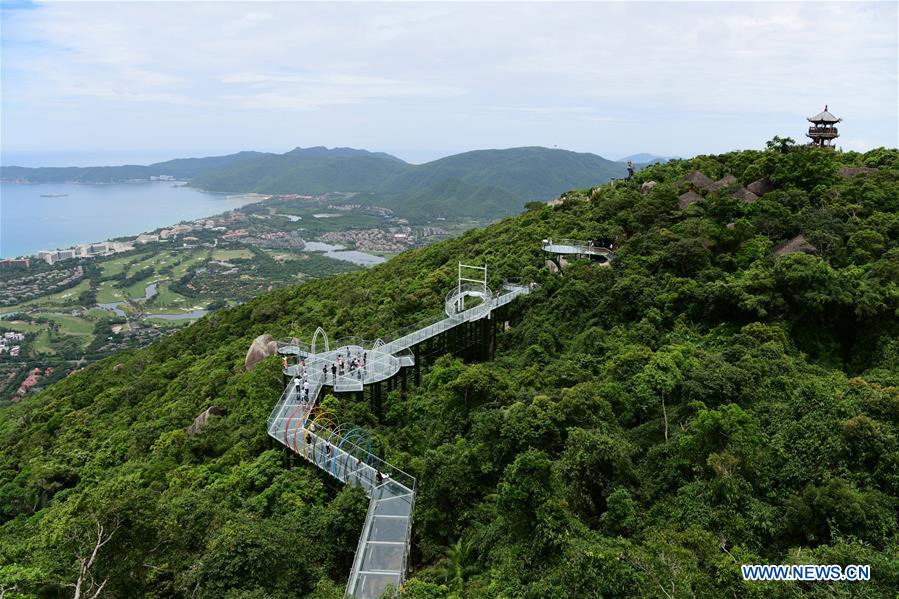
x: 823, y: 132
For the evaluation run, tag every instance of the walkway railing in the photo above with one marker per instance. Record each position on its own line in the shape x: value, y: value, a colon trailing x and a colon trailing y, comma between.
x: 574, y: 246
x: 382, y: 554
x: 415, y: 337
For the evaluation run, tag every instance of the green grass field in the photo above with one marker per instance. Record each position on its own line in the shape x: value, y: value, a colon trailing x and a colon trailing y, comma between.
x: 231, y: 254
x: 60, y: 298
x: 138, y: 290
x: 114, y: 266
x: 21, y: 326
x: 166, y: 298
x: 96, y: 314
x: 195, y: 259
x: 42, y: 344
x: 157, y: 261
x: 169, y: 324
x: 71, y: 325
x: 107, y: 293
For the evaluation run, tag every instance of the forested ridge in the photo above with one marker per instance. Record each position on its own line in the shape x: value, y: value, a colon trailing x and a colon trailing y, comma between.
x: 644, y: 429
x: 480, y: 183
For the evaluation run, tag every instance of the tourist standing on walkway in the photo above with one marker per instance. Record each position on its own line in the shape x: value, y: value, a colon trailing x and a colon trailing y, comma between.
x: 334, y: 372
x: 306, y: 391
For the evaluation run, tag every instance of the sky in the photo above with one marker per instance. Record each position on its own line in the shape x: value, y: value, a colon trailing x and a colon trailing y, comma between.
x: 129, y: 82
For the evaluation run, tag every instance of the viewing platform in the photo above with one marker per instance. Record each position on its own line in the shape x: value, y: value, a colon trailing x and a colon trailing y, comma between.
x: 603, y: 250
x: 344, y: 451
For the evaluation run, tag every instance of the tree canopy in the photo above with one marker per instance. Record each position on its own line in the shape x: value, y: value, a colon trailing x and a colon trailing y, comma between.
x: 714, y: 398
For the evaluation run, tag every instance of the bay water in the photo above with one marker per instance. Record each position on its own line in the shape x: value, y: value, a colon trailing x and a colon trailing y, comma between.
x: 82, y: 213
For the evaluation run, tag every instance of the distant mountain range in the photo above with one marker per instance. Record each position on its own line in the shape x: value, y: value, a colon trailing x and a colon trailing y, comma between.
x: 481, y: 183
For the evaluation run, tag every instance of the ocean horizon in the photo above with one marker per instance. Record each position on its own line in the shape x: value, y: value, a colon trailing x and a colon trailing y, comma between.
x: 83, y: 213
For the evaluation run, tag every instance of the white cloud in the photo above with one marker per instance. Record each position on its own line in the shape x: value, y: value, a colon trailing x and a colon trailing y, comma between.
x: 606, y: 77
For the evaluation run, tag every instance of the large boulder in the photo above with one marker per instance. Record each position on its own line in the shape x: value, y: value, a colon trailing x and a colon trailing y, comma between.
x: 699, y: 180
x: 688, y: 198
x: 797, y: 244
x: 262, y: 347
x: 760, y: 187
x: 744, y: 195
x: 849, y: 171
x: 202, y: 419
x: 725, y: 181
x: 647, y: 187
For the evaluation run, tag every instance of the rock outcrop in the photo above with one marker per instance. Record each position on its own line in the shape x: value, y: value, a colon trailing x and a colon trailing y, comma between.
x: 744, y: 195
x: 699, y: 180
x: 647, y: 187
x: 262, y: 347
x: 725, y: 181
x: 685, y: 199
x: 849, y: 171
x: 797, y: 244
x: 760, y: 187
x: 202, y: 419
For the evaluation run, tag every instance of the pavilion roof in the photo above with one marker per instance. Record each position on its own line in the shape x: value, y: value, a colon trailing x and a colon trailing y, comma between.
x: 824, y: 117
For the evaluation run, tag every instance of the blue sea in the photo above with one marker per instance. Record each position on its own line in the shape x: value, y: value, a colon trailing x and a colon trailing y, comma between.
x: 29, y: 222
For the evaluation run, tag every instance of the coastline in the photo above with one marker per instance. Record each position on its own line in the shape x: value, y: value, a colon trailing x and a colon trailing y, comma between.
x: 47, y: 221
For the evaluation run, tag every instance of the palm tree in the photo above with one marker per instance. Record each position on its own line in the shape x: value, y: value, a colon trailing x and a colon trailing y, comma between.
x: 457, y: 567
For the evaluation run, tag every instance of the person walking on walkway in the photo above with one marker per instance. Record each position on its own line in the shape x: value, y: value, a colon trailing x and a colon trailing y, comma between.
x: 306, y: 391
x: 334, y: 372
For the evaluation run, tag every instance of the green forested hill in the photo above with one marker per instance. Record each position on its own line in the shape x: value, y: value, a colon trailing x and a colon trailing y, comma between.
x: 493, y: 182
x: 546, y: 473
x: 304, y: 173
x: 181, y: 168
x: 483, y: 183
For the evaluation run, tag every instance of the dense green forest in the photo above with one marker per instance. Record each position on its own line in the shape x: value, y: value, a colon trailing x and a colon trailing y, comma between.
x: 644, y: 429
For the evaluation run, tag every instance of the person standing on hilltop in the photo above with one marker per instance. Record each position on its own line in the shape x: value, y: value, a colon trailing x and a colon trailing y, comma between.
x: 630, y: 170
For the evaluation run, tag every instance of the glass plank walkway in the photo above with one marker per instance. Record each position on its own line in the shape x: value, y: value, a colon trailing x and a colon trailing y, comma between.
x: 577, y: 248
x: 382, y: 554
